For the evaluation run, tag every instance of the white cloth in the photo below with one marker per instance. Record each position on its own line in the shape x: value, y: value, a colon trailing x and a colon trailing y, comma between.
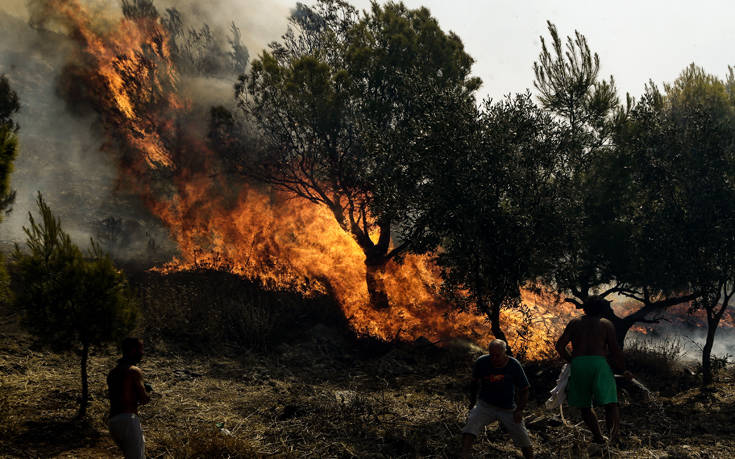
x: 127, y: 432
x: 559, y: 392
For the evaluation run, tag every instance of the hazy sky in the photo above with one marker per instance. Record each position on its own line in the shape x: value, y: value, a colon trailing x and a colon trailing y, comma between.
x: 636, y: 40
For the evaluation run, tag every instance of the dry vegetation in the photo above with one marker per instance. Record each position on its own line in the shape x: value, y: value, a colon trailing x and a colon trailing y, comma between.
x: 300, y: 385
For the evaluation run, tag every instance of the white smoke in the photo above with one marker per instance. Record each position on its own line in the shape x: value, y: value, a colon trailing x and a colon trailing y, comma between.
x: 60, y: 146
x: 261, y: 21
x: 60, y: 152
x: 687, y: 340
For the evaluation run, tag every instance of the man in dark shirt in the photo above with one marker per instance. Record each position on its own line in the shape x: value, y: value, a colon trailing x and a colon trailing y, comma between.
x: 127, y: 391
x: 503, y: 395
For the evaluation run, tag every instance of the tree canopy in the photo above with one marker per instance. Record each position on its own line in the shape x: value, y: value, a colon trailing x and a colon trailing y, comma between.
x: 9, y: 105
x: 678, y: 148
x: 643, y: 189
x: 586, y: 107
x: 347, y: 105
x: 488, y: 204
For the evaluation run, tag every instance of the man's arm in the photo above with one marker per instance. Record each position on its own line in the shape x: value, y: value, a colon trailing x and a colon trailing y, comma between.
x: 616, y: 355
x: 563, y: 341
x: 521, y: 402
x: 138, y: 386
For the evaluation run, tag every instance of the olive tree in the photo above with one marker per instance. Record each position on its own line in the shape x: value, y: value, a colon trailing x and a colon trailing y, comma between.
x: 344, y: 103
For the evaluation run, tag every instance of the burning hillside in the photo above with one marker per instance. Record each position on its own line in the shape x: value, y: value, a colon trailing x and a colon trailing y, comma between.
x: 127, y: 70
x: 290, y: 313
x: 124, y: 70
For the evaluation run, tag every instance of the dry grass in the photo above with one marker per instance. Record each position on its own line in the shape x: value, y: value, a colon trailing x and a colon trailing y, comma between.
x: 317, y: 392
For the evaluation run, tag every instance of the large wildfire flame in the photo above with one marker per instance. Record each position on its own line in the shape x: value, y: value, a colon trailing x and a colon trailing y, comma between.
x: 128, y: 76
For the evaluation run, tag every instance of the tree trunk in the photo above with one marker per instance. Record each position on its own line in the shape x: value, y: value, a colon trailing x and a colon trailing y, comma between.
x: 714, y: 316
x: 377, y: 254
x: 495, y: 321
x: 376, y: 288
x: 85, y: 383
x: 376, y: 257
x: 622, y: 327
x: 493, y: 313
x: 707, y: 376
x: 713, y: 321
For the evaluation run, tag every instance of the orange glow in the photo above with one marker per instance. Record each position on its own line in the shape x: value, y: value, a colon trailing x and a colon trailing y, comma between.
x: 249, y: 230
x: 119, y: 63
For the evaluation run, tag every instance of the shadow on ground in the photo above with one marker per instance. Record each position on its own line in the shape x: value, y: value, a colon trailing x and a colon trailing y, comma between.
x: 50, y: 437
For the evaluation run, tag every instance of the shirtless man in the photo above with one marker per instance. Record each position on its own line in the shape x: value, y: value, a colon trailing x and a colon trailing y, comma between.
x: 127, y: 391
x: 591, y: 380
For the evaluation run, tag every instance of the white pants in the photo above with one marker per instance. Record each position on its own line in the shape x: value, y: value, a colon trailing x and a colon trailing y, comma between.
x: 127, y: 432
x: 484, y: 413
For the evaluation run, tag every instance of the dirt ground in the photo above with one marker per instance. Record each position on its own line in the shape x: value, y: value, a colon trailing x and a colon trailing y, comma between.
x: 327, y: 396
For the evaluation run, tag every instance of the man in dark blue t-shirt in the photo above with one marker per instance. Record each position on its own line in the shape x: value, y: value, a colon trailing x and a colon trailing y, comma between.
x: 503, y: 394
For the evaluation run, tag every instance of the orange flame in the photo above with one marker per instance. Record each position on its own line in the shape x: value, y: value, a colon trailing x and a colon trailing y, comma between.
x: 254, y: 232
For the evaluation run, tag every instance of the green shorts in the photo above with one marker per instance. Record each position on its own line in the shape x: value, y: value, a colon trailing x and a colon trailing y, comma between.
x: 591, y: 381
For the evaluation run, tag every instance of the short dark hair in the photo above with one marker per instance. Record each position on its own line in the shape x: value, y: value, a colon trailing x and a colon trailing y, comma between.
x: 130, y: 345
x: 595, y: 305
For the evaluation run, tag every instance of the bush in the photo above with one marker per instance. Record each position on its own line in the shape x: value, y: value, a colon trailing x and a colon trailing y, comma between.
x: 658, y: 365
x: 67, y: 300
x: 210, y: 310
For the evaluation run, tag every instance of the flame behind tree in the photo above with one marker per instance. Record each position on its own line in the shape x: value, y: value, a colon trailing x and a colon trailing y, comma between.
x: 491, y: 205
x: 124, y: 70
x: 343, y: 104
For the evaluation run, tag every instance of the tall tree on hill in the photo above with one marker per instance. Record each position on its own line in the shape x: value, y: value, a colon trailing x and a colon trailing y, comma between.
x: 569, y: 87
x: 195, y: 51
x: 66, y: 300
x: 344, y: 103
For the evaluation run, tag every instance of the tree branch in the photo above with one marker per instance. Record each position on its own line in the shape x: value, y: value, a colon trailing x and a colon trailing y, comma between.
x: 574, y: 301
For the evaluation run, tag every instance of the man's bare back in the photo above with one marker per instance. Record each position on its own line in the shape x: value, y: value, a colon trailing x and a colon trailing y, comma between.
x: 591, y: 379
x: 125, y: 383
x: 591, y: 335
